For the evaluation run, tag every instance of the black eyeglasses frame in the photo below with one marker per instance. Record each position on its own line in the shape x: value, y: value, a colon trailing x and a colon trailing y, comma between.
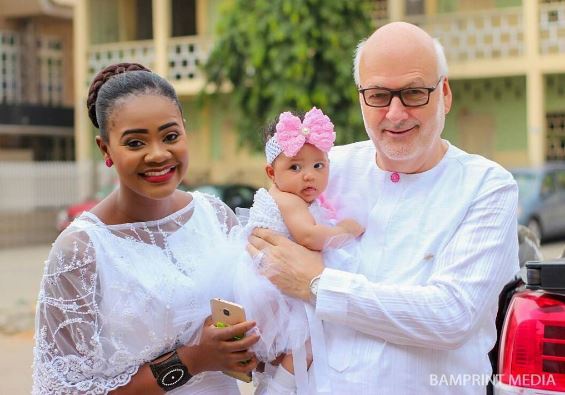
x: 398, y: 93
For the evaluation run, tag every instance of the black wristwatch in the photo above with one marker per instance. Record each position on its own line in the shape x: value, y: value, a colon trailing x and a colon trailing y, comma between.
x: 170, y: 373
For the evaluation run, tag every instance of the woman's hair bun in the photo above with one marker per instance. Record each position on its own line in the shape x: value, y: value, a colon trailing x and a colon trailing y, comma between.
x: 104, y: 75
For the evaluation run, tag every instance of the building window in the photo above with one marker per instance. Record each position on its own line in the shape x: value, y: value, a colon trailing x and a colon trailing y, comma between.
x: 144, y: 22
x: 381, y: 10
x: 183, y: 17
x: 555, y: 142
x: 415, y: 7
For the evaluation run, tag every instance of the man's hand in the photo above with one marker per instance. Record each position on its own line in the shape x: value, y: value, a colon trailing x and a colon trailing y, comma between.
x: 218, y: 351
x: 288, y: 265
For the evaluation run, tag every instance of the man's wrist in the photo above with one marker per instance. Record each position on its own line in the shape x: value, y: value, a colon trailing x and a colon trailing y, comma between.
x: 313, y: 288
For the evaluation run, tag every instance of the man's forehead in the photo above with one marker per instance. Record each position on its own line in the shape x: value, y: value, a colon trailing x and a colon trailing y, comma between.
x: 379, y: 67
x: 416, y: 78
x: 395, y: 82
x: 400, y: 55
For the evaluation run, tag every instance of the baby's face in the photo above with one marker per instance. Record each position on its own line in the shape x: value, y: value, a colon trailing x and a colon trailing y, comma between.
x: 305, y: 174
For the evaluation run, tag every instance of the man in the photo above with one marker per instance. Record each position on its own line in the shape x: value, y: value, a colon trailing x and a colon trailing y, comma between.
x: 418, y: 316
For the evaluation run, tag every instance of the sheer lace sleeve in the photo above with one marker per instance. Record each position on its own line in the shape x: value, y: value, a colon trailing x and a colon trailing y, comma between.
x: 226, y: 216
x: 69, y: 354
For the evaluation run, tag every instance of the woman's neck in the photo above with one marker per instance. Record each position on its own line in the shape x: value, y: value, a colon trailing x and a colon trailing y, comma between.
x: 123, y: 207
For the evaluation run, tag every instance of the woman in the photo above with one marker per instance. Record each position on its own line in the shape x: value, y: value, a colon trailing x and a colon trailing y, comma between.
x: 126, y: 287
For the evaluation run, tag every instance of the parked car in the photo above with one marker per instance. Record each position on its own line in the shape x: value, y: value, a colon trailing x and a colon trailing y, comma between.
x: 542, y: 198
x: 532, y: 343
x: 234, y: 195
x: 68, y: 214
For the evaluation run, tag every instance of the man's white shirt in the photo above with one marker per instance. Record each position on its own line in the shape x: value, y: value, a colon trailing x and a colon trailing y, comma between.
x: 418, y: 316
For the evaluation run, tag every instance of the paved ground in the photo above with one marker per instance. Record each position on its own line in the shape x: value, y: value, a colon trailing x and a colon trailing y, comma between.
x: 20, y: 273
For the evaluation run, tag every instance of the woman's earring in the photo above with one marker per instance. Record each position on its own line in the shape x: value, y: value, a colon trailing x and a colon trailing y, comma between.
x: 109, y: 162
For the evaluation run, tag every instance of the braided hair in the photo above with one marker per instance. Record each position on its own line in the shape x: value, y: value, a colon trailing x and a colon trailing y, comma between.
x: 119, y: 81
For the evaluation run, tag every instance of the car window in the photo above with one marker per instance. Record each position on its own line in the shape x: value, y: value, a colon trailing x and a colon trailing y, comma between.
x: 548, y: 184
x: 527, y: 185
x: 560, y: 180
x: 239, y: 196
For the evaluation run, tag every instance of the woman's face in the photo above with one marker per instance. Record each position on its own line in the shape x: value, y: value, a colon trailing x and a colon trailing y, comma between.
x: 147, y: 143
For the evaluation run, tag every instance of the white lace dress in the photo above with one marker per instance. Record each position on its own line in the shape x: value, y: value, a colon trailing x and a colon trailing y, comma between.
x: 285, y: 323
x: 115, y: 297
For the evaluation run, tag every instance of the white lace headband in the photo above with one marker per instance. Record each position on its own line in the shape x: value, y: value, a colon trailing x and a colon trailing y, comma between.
x: 272, y: 150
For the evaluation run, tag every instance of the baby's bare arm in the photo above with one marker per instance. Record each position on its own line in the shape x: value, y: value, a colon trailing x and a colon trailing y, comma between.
x: 302, y: 225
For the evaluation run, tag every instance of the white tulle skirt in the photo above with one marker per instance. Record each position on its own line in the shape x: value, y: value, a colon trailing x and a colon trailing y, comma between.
x: 282, y: 321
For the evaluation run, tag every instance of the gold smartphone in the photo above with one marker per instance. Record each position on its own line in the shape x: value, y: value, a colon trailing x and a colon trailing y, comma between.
x: 226, y: 313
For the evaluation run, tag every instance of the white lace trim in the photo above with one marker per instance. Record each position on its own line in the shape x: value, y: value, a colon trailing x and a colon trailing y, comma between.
x: 266, y: 214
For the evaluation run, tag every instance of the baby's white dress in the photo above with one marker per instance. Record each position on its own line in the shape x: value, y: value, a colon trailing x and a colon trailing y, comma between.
x: 284, y: 322
x: 114, y: 297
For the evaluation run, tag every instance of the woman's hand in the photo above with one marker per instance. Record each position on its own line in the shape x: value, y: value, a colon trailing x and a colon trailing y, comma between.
x: 218, y: 350
x: 289, y: 266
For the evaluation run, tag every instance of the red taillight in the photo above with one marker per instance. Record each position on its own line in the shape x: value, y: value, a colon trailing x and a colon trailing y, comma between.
x: 533, y: 342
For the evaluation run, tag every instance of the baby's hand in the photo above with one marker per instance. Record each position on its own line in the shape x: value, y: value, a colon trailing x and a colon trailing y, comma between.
x: 352, y: 227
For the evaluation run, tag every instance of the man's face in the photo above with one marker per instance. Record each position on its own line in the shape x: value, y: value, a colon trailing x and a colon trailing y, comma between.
x: 407, y: 139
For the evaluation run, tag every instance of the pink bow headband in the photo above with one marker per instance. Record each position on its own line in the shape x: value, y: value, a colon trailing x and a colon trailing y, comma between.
x: 291, y: 134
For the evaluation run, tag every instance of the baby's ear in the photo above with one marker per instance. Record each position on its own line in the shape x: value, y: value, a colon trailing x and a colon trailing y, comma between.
x: 270, y: 171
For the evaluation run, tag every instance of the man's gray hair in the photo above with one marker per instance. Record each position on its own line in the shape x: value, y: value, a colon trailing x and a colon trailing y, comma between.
x: 440, y: 56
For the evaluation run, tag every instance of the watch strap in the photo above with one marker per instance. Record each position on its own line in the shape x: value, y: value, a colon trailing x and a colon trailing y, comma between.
x: 170, y: 373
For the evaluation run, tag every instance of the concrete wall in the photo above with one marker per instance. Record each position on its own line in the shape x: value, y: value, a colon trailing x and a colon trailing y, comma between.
x: 215, y: 155
x: 19, y: 8
x: 488, y: 117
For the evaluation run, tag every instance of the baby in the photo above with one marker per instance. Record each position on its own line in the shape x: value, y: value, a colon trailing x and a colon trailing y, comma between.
x: 297, y: 164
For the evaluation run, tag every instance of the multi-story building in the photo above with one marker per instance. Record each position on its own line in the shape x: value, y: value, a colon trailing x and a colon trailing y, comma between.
x: 506, y: 58
x: 36, y: 116
x: 36, y: 82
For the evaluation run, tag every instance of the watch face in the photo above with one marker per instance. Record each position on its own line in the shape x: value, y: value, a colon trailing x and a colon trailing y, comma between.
x: 173, y: 376
x: 314, y: 286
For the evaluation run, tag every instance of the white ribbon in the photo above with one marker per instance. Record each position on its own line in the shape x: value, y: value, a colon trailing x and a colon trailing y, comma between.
x: 319, y: 351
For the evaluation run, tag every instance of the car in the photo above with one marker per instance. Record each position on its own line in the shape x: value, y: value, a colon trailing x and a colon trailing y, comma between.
x: 234, y: 195
x: 541, y: 202
x: 531, y: 360
x: 68, y: 214
x: 529, y: 355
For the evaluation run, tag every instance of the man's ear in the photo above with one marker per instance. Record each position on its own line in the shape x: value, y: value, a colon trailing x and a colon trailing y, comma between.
x: 270, y: 171
x: 447, y: 96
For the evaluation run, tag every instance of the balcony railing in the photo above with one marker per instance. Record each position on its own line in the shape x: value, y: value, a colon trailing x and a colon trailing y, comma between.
x: 184, y: 56
x: 487, y: 34
x: 102, y: 55
x: 552, y: 28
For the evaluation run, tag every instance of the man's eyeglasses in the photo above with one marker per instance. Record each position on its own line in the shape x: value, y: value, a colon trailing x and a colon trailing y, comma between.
x: 410, y: 97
